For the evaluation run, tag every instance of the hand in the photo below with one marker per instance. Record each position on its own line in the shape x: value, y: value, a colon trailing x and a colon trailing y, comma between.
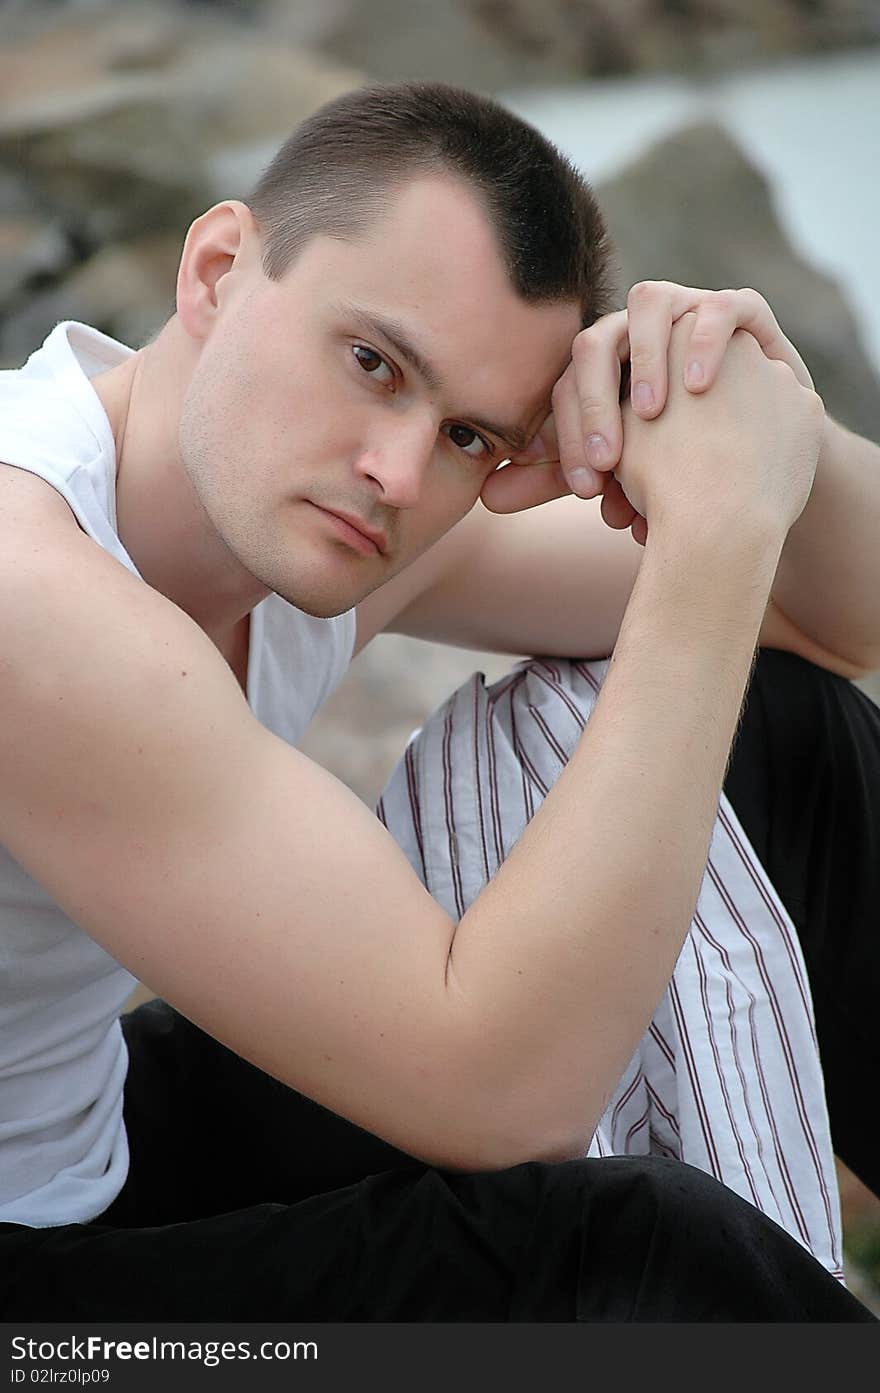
x: 580, y: 443
x: 743, y: 455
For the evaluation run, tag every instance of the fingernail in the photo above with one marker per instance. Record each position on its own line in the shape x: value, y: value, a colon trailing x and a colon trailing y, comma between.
x: 597, y: 449
x: 583, y: 482
x: 643, y: 396
x: 694, y: 376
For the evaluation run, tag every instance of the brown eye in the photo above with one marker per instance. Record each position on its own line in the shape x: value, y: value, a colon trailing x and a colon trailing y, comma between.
x: 373, y: 363
x: 463, y: 436
x: 467, y: 439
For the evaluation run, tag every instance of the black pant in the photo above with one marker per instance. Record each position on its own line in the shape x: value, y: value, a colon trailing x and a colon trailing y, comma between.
x: 804, y: 779
x: 247, y: 1201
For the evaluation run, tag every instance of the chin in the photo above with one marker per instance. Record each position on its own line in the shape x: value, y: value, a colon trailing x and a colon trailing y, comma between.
x: 318, y: 590
x: 319, y: 606
x: 320, y: 610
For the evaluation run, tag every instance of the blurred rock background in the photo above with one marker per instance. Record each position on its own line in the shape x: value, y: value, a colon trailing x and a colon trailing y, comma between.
x: 120, y: 122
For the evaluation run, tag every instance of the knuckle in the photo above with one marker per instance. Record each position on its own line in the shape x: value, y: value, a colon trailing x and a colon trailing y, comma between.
x: 642, y: 358
x: 705, y: 332
x: 583, y: 344
x: 644, y: 292
x: 591, y: 406
x: 571, y: 450
x: 597, y: 337
x: 753, y: 299
x: 684, y: 326
x: 568, y: 440
x: 815, y: 401
x: 781, y: 370
x: 725, y: 300
x: 715, y: 312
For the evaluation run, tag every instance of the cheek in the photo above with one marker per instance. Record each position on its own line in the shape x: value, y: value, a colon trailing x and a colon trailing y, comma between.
x: 303, y: 410
x: 231, y: 443
x: 451, y: 503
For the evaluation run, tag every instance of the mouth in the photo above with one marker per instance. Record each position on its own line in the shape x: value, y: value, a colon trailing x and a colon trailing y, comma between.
x: 357, y: 533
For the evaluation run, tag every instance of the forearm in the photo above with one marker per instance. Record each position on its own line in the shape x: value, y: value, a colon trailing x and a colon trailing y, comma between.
x: 563, y: 957
x: 828, y: 580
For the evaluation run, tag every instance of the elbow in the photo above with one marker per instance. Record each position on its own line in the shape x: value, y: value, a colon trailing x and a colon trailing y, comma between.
x: 496, y: 1149
x: 472, y: 1161
x: 491, y: 1109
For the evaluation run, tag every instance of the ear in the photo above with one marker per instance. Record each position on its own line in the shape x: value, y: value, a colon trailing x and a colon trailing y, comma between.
x: 220, y: 244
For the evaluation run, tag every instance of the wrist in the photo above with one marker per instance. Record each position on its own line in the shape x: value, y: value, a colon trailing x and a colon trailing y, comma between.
x: 707, y: 546
x: 707, y: 589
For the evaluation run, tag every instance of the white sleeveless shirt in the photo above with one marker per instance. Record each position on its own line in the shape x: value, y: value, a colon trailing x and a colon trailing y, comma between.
x: 63, y: 1062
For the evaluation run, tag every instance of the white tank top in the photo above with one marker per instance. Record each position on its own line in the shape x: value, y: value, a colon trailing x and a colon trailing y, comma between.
x: 63, y: 1149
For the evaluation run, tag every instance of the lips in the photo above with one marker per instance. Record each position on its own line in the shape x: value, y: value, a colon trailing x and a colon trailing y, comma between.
x: 378, y: 539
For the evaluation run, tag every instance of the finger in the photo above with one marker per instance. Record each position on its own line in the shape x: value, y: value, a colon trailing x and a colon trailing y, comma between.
x: 515, y: 487
x: 718, y: 315
x: 655, y: 306
x: 580, y: 476
x: 617, y: 511
x: 715, y: 321
x: 650, y: 315
x: 756, y: 316
x: 596, y: 357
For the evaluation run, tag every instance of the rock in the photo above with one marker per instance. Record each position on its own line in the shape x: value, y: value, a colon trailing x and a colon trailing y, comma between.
x: 30, y: 251
x: 120, y: 115
x: 606, y: 37
x: 125, y: 290
x: 693, y: 209
x: 117, y: 125
x: 493, y: 45
x: 395, y: 39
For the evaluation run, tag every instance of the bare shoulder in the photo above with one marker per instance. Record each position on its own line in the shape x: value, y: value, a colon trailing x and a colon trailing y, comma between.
x: 95, y: 666
x: 56, y: 581
x: 28, y: 503
x: 137, y: 787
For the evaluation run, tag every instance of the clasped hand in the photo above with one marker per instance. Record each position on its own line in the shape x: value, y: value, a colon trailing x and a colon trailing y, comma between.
x: 579, y: 445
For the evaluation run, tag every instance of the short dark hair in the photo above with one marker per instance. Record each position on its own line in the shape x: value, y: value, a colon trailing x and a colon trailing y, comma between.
x: 335, y: 172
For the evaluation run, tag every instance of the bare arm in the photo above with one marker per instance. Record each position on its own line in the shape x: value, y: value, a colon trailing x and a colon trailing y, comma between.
x: 823, y: 604
x: 551, y: 580
x: 829, y: 572
x: 584, y: 921
x: 265, y: 902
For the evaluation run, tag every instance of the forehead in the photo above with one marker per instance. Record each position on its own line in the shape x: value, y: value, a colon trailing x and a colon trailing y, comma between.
x: 430, y: 262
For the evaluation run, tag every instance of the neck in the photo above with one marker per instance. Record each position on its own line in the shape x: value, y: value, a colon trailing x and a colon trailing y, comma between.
x: 161, y: 522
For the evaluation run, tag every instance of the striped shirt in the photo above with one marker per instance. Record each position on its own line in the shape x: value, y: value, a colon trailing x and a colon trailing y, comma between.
x: 727, y: 1077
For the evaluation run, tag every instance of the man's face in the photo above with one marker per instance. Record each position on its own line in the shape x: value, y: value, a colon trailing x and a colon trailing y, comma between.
x: 382, y: 378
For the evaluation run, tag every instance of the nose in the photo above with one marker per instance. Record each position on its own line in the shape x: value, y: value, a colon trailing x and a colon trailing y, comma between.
x: 398, y: 459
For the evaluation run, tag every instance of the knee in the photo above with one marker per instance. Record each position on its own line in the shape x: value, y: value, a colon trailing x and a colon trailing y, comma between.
x: 638, y: 1192
x: 640, y: 1238
x: 791, y: 677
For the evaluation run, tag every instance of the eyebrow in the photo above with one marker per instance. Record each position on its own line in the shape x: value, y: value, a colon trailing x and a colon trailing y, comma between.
x: 401, y: 340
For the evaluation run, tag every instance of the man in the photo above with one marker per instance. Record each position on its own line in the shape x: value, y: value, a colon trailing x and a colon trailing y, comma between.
x: 366, y: 1118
